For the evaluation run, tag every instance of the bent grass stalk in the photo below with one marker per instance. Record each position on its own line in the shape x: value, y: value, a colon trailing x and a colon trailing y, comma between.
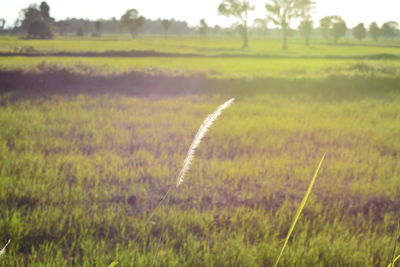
x: 195, y: 143
x: 198, y: 137
x: 210, y: 119
x: 3, y: 250
x: 394, y: 259
x: 300, y: 209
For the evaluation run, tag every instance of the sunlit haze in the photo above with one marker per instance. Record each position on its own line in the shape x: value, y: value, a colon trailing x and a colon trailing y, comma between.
x: 353, y: 11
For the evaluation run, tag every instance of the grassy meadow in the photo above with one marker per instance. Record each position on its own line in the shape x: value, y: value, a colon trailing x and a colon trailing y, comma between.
x: 205, y: 46
x: 85, y: 159
x: 220, y: 68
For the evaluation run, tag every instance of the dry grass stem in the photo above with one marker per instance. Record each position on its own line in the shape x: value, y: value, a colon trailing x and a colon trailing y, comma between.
x: 197, y: 139
x: 3, y: 250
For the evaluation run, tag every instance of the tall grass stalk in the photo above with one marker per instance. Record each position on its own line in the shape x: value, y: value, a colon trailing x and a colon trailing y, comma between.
x: 197, y: 139
x: 210, y: 119
x: 300, y: 209
x: 394, y: 259
x: 190, y: 154
x: 3, y: 250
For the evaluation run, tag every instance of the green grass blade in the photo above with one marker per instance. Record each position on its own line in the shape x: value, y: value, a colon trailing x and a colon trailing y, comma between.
x: 394, y: 246
x: 113, y: 264
x: 300, y: 209
x: 394, y: 261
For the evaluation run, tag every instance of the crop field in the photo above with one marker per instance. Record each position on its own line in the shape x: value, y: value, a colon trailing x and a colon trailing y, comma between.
x: 90, y: 145
x: 205, y: 46
x: 212, y: 57
x: 222, y: 68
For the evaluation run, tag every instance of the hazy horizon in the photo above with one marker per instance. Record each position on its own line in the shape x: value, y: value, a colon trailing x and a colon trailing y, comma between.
x: 193, y: 11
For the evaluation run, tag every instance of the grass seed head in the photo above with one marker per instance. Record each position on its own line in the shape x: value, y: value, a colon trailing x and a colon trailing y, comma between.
x: 198, y: 137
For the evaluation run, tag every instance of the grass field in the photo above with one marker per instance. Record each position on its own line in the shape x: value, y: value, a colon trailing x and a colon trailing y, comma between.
x: 224, y: 68
x: 80, y: 172
x: 220, y: 57
x: 206, y: 46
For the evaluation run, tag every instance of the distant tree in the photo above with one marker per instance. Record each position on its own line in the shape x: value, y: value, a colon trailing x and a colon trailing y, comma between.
x: 238, y: 9
x: 231, y: 30
x: 98, y: 25
x: 2, y: 24
x: 260, y: 26
x: 132, y: 21
x: 203, y: 28
x: 281, y: 13
x: 389, y: 29
x: 325, y: 25
x: 239, y: 28
x: 339, y: 30
x: 17, y: 24
x: 334, y: 27
x: 80, y: 32
x: 374, y: 31
x: 37, y: 21
x: 217, y: 29
x: 306, y: 29
x: 166, y: 23
x: 40, y: 30
x: 63, y: 26
x: 86, y: 27
x: 359, y: 31
x: 45, y: 10
x: 114, y: 25
x: 30, y: 15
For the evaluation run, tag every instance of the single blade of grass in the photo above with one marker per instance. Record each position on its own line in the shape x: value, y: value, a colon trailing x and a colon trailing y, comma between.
x: 300, y: 209
x: 113, y: 264
x: 394, y: 261
x: 395, y: 245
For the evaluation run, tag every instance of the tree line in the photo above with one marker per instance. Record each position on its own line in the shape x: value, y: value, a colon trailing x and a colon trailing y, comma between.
x: 36, y: 22
x: 283, y: 12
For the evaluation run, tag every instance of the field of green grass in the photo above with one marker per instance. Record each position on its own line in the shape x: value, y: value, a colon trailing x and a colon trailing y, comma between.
x: 206, y: 46
x: 81, y: 171
x: 222, y: 68
x: 219, y: 57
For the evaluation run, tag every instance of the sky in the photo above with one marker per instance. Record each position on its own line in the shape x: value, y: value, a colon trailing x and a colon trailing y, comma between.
x: 352, y: 11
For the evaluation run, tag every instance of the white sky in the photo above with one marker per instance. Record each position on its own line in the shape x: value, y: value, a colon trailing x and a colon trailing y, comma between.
x: 352, y: 11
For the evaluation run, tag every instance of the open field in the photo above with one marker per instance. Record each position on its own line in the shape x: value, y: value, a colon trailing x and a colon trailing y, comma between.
x: 223, y: 68
x: 206, y: 46
x: 88, y: 146
x: 212, y: 57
